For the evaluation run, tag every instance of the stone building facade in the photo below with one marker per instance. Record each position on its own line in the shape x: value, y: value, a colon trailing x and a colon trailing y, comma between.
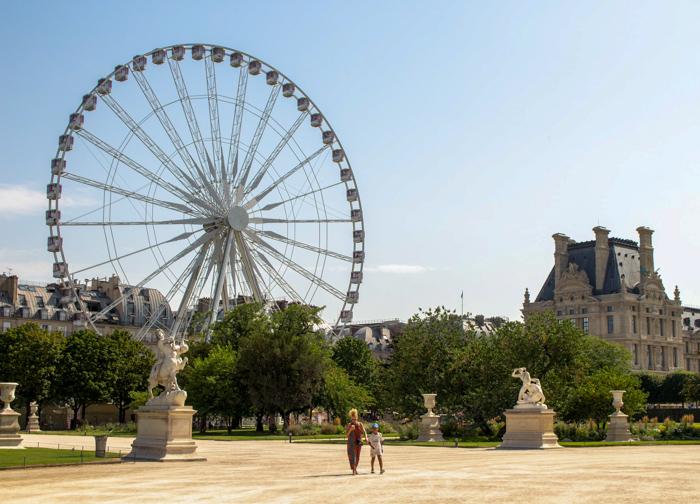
x: 53, y: 305
x: 691, y: 337
x: 610, y: 288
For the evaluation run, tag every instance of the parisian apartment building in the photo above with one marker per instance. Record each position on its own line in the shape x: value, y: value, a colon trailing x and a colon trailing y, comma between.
x: 609, y: 287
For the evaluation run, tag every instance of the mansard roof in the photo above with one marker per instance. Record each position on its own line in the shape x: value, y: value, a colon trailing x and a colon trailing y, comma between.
x: 623, y: 259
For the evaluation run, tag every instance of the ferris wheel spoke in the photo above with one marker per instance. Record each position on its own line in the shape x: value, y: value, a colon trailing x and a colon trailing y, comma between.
x: 150, y: 144
x: 166, y: 123
x: 129, y: 194
x: 254, y: 201
x: 303, y: 195
x: 289, y: 241
x: 187, y: 250
x: 272, y: 251
x: 196, y: 269
x: 278, y: 148
x: 187, y: 108
x: 277, y: 277
x: 156, y: 314
x: 268, y: 220
x: 257, y: 136
x: 196, y: 220
x: 140, y: 169
x: 247, y: 267
x: 215, y: 125
x: 236, y: 125
x: 179, y: 237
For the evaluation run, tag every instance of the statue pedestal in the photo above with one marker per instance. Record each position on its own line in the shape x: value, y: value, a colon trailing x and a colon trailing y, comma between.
x: 530, y: 428
x: 618, y: 428
x: 164, y: 433
x: 430, y: 428
x: 9, y: 430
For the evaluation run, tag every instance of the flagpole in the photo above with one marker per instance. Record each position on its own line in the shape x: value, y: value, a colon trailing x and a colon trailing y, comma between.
x: 462, y: 298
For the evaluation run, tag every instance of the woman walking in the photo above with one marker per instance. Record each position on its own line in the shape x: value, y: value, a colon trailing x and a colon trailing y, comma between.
x: 354, y: 431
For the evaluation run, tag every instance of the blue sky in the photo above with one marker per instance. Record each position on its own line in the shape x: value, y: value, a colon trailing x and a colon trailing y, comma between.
x: 475, y: 130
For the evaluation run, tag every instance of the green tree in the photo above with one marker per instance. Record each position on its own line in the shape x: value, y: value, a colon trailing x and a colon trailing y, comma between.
x: 356, y: 359
x: 84, y: 376
x: 237, y: 323
x: 421, y: 360
x: 651, y: 384
x: 340, y: 393
x: 215, y: 388
x: 673, y: 385
x: 282, y: 361
x: 691, y: 389
x: 130, y: 362
x: 591, y: 398
x: 30, y: 357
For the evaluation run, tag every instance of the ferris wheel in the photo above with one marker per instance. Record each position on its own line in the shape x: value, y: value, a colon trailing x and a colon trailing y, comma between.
x: 207, y: 174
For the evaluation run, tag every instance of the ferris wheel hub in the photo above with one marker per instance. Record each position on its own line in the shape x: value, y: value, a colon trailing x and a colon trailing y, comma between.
x: 238, y: 218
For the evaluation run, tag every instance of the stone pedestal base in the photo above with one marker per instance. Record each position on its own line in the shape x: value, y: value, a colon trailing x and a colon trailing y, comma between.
x: 618, y: 428
x: 430, y: 428
x: 33, y: 424
x: 164, y: 433
x: 529, y: 428
x: 9, y: 430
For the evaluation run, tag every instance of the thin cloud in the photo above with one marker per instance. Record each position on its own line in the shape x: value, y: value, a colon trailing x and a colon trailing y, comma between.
x: 400, y: 269
x: 25, y: 263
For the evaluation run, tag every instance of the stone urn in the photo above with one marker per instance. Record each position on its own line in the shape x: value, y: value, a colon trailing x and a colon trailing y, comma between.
x: 618, y: 426
x: 430, y: 422
x: 617, y: 401
x: 9, y: 418
x: 7, y: 394
x: 429, y: 403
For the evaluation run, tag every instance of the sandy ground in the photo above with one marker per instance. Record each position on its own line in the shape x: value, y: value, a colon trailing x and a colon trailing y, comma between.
x: 275, y: 471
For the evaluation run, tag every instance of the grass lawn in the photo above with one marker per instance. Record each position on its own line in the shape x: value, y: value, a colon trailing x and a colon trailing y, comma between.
x: 48, y: 456
x: 88, y: 433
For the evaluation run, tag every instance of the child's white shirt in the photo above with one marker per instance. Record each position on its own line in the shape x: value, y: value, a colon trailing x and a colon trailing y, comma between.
x: 376, y: 441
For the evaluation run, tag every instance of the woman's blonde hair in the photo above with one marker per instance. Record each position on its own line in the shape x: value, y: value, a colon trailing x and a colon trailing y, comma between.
x: 353, y: 413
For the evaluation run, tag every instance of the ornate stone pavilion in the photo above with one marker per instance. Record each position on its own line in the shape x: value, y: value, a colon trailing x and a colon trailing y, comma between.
x: 609, y: 288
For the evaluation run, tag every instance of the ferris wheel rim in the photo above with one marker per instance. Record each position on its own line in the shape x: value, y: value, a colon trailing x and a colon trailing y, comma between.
x: 61, y: 154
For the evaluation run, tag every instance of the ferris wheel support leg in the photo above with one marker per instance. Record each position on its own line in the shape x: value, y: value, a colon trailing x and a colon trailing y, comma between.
x: 247, y: 267
x: 182, y: 310
x: 221, y: 277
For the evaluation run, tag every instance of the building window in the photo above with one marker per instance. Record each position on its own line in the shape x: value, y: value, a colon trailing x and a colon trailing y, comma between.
x: 686, y: 321
x: 584, y: 324
x: 650, y: 358
x: 648, y: 326
x: 673, y: 328
x: 22, y: 300
x: 661, y: 326
x: 558, y: 313
x: 39, y: 302
x: 634, y: 324
x: 687, y: 365
x: 611, y: 324
x: 675, y: 357
x: 636, y: 354
x: 687, y: 347
x: 572, y: 311
x: 46, y: 327
x: 610, y: 308
x: 584, y: 310
x: 6, y: 325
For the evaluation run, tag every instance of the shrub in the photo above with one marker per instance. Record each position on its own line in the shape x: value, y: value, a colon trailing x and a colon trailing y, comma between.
x: 327, y: 428
x: 408, y: 431
x: 386, y: 428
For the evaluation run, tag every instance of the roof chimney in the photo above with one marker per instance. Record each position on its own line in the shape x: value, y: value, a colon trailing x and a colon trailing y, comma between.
x: 602, y: 251
x: 561, y: 255
x: 646, y: 251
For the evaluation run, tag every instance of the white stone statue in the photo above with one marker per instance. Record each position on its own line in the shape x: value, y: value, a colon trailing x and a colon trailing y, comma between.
x: 530, y: 395
x: 164, y: 372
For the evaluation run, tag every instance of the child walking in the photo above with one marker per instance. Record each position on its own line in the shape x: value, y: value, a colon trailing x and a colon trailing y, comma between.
x: 376, y: 443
